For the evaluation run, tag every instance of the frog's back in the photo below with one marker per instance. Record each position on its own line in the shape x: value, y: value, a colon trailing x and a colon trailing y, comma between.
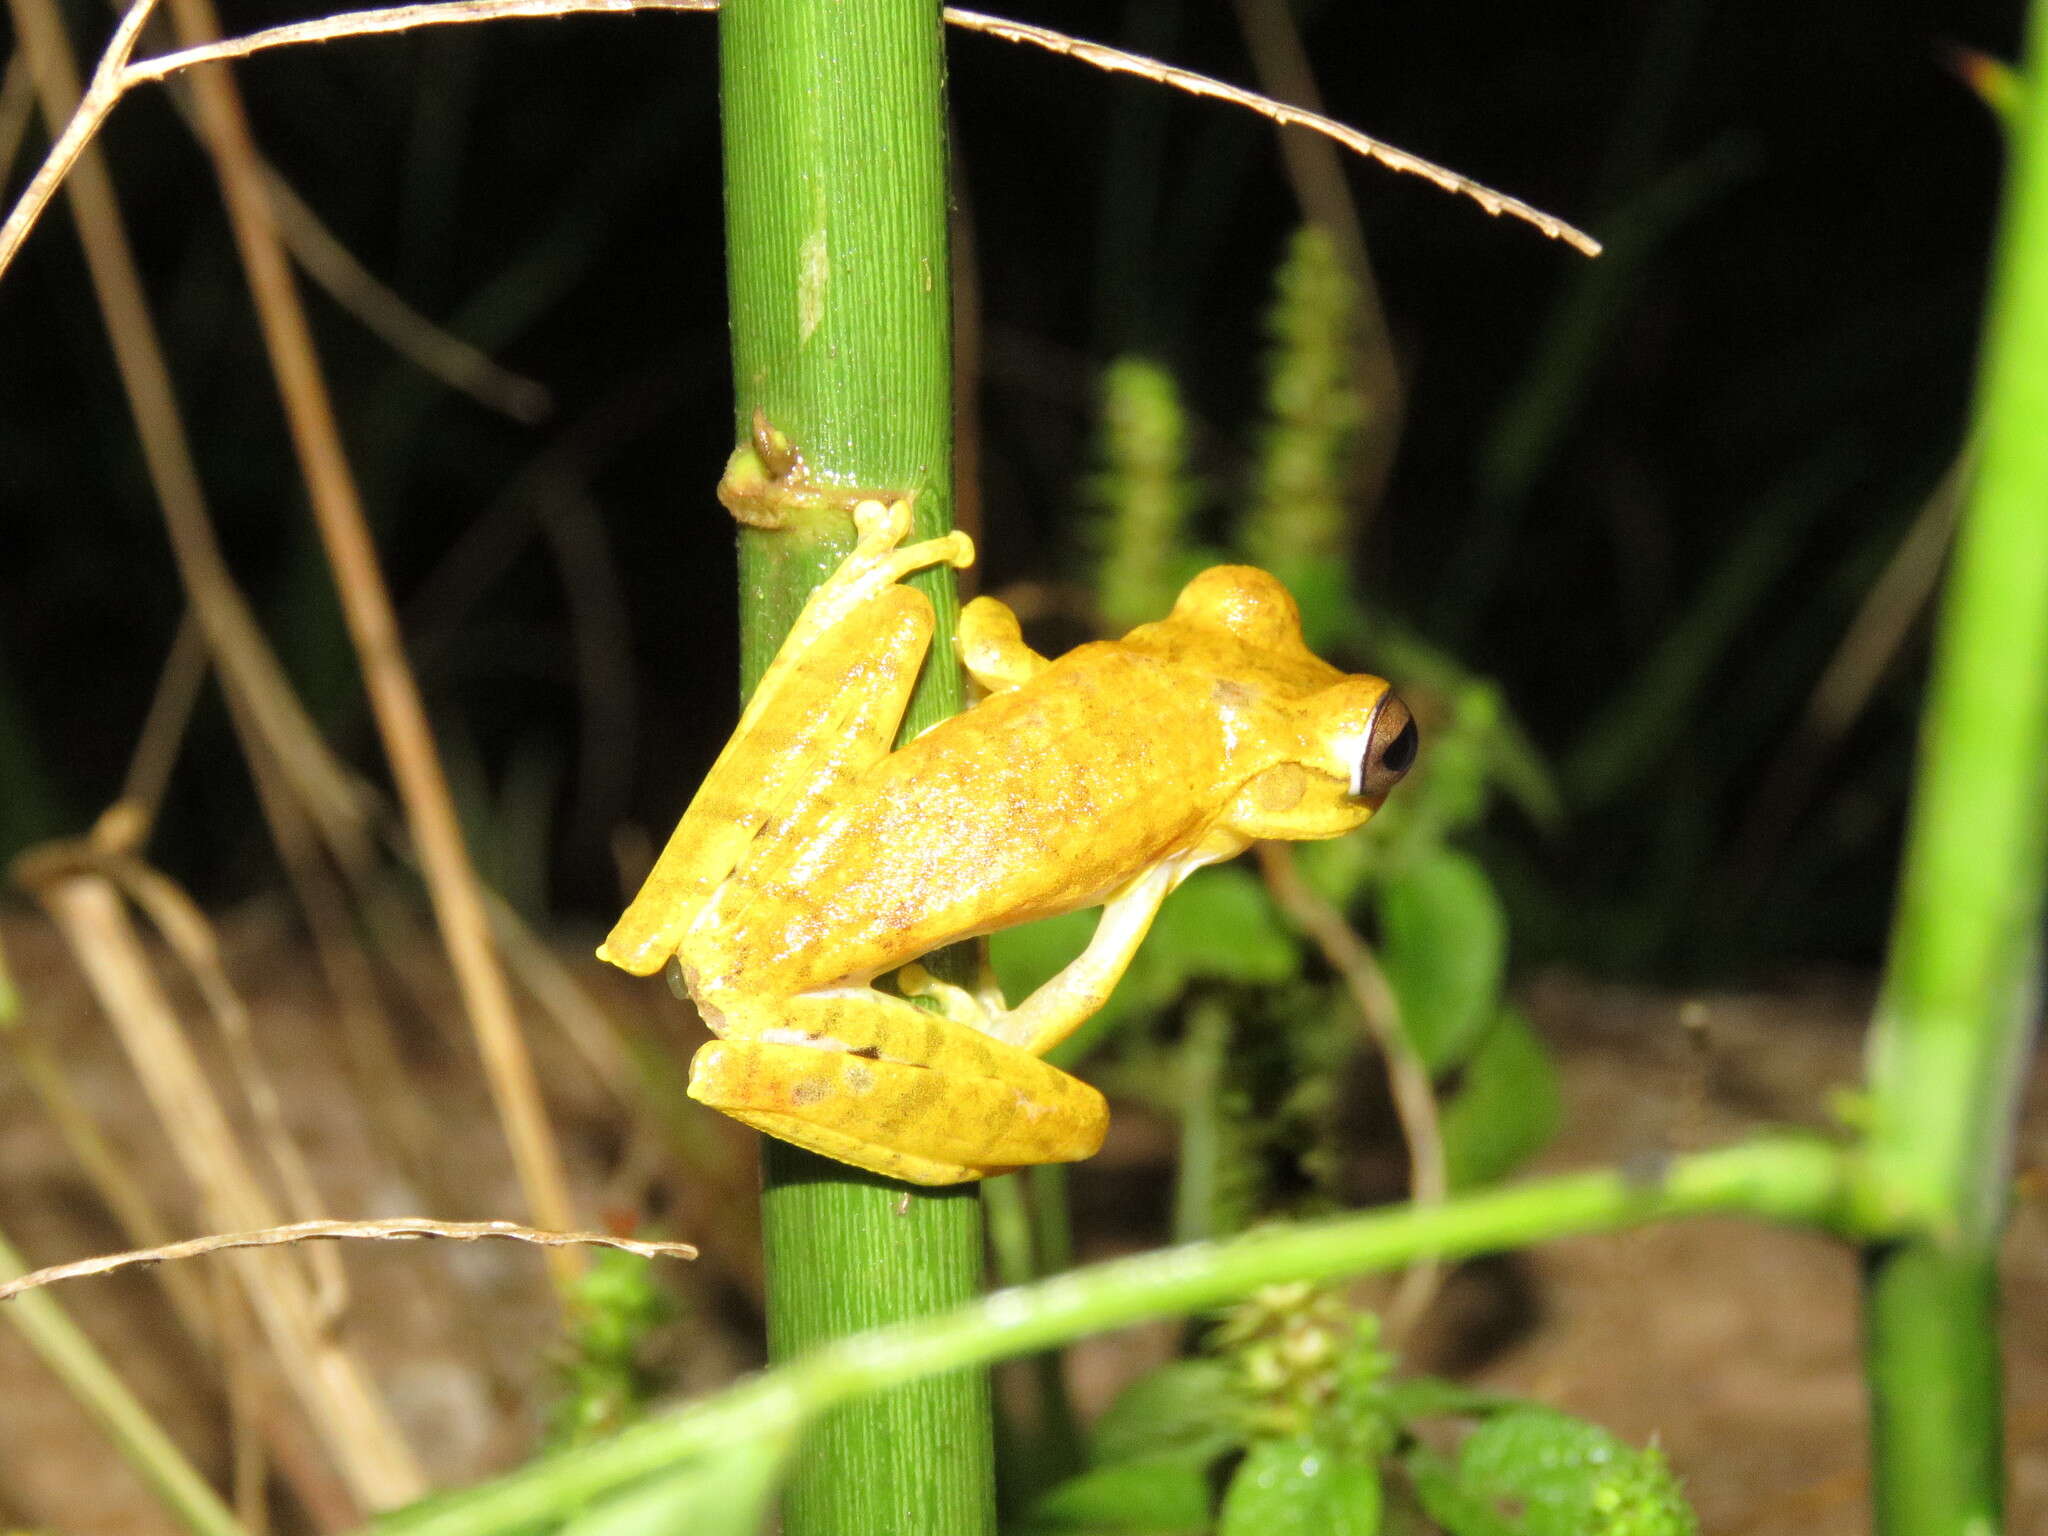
x: 1039, y: 800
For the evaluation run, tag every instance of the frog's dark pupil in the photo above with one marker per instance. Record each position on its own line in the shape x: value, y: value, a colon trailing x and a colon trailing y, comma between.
x: 1399, y: 755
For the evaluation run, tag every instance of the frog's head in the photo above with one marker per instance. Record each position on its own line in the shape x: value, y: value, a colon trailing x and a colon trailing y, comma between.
x: 1351, y: 743
x: 1335, y: 744
x: 1242, y: 624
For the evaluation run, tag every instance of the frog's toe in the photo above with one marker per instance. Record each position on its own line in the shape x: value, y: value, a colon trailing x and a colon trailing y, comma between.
x: 881, y: 526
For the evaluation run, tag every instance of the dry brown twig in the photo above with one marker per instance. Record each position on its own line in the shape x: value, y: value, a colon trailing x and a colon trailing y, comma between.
x: 439, y: 353
x: 390, y: 1229
x: 1407, y: 1075
x: 17, y: 110
x: 117, y: 75
x: 352, y: 1420
x: 394, y: 694
x: 1272, y: 36
x: 184, y: 927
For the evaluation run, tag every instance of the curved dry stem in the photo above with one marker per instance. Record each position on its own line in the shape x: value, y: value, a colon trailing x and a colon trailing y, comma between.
x: 390, y: 1229
x: 1407, y: 1076
x: 394, y: 694
x: 116, y: 76
x: 1116, y: 61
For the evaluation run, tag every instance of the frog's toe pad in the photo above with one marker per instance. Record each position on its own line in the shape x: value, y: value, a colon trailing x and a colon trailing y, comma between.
x: 907, y: 1121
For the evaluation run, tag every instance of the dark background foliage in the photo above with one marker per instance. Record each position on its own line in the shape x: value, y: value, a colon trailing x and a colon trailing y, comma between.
x: 1777, y: 369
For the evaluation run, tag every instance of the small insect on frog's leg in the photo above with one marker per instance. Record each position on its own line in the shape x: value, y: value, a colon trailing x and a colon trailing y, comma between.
x: 992, y: 647
x: 828, y: 705
x: 1063, y: 1004
x: 877, y: 1082
x: 952, y: 1002
x: 979, y: 1007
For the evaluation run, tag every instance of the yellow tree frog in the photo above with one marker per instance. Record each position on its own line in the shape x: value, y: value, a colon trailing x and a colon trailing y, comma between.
x: 815, y: 859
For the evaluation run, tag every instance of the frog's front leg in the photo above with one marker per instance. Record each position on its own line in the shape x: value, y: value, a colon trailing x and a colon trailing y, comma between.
x: 828, y: 705
x: 992, y: 648
x: 873, y: 1081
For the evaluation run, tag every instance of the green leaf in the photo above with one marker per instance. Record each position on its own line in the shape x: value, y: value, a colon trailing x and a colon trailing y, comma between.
x: 1435, y: 1483
x: 1027, y: 957
x: 1444, y: 941
x: 1188, y: 1409
x: 1222, y: 925
x: 1570, y: 1478
x: 1506, y: 1108
x: 1431, y: 1397
x: 1168, y: 1496
x: 1299, y: 1486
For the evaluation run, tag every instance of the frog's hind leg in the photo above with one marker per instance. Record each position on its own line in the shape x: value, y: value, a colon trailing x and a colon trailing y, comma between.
x: 828, y: 706
x: 873, y: 1081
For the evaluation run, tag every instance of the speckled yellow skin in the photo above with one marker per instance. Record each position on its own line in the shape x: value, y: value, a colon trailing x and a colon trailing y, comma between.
x: 814, y: 859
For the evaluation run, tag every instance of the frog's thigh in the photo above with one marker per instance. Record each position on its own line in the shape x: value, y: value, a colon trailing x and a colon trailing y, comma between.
x: 869, y: 691
x: 860, y: 682
x: 837, y: 712
x: 875, y: 1082
x: 992, y: 647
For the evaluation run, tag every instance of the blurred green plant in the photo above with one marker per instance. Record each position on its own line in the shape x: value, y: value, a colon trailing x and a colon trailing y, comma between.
x: 709, y: 1467
x: 602, y: 1384
x: 1291, y: 1420
x: 1224, y: 975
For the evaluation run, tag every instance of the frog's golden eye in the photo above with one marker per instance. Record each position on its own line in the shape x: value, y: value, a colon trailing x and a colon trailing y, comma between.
x: 1390, y: 747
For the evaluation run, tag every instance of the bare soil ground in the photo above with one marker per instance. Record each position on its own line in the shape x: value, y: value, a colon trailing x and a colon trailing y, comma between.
x: 1732, y: 1344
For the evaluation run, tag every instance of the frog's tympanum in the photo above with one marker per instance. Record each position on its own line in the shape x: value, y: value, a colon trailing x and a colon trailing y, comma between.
x: 815, y: 859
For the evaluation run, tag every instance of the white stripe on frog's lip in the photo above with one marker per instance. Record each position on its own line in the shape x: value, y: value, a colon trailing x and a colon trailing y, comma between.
x: 1361, y: 753
x: 1357, y: 749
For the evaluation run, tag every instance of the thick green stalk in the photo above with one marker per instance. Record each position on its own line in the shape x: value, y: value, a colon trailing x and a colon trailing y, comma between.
x: 1964, y: 976
x: 836, y: 199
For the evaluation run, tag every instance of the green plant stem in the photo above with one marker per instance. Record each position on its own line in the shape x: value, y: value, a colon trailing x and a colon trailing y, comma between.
x: 1937, y: 1425
x: 834, y: 127
x: 1053, y: 1447
x: 1785, y: 1179
x: 1204, y: 1130
x: 97, y: 1388
x: 1963, y: 982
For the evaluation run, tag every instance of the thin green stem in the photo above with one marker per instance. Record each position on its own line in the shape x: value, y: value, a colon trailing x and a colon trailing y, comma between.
x: 1204, y: 1129
x: 1009, y: 1230
x: 1052, y: 1448
x: 1953, y: 1018
x: 1963, y: 984
x: 1786, y: 1179
x: 834, y: 126
x: 1052, y: 1223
